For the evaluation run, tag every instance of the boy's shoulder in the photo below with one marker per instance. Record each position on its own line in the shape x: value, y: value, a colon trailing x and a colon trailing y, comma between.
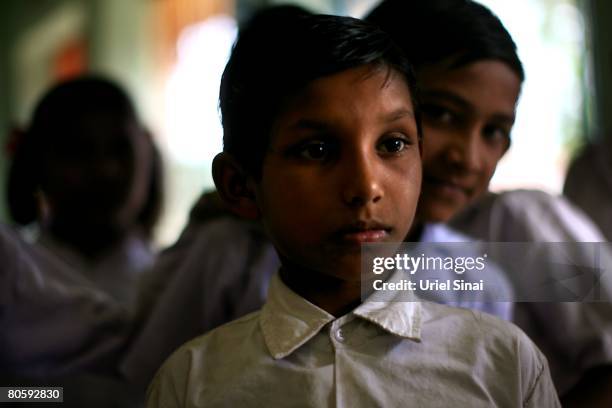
x: 479, y: 335
x: 212, y: 358
x: 230, y: 341
x: 529, y: 215
x: 472, y: 325
x: 227, y: 336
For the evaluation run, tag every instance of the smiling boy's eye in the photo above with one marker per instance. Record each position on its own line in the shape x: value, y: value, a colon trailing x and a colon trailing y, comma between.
x: 438, y: 114
x: 496, y: 135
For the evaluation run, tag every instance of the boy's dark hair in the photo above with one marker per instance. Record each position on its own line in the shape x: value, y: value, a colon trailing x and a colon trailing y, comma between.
x: 277, y: 54
x: 458, y: 31
x: 53, y: 117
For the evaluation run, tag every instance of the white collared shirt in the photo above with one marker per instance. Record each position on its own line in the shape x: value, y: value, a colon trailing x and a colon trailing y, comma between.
x: 220, y: 271
x: 57, y: 328
x: 52, y: 322
x: 383, y: 354
x: 117, y: 272
x: 574, y: 336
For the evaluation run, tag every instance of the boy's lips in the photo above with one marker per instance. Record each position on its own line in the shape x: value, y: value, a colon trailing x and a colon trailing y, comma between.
x: 449, y: 188
x: 363, y: 232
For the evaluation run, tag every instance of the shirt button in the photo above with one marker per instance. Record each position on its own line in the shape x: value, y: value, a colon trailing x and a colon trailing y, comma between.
x: 339, y: 335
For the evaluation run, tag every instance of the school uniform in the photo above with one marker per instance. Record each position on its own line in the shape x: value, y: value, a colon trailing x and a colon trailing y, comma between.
x: 53, y: 322
x: 574, y: 335
x: 383, y: 353
x: 526, y: 215
x: 58, y: 329
x: 220, y: 270
x: 118, y: 271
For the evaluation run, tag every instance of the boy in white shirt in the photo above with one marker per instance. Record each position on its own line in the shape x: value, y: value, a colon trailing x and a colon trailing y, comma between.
x: 322, y: 142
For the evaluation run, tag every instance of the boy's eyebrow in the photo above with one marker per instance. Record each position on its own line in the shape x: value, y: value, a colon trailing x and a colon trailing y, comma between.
x: 310, y: 124
x: 449, y: 96
x: 464, y: 104
x: 504, y: 119
x: 399, y: 114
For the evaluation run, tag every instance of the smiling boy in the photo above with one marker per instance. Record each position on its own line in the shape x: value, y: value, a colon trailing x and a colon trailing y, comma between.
x: 470, y: 78
x: 322, y: 143
x: 478, y: 98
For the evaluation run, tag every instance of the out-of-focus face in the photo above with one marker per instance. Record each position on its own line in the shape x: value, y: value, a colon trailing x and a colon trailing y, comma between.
x: 468, y: 113
x: 97, y: 176
x: 343, y: 168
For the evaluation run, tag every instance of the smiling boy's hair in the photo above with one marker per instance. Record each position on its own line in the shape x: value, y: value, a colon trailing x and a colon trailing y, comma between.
x: 459, y: 31
x: 277, y: 54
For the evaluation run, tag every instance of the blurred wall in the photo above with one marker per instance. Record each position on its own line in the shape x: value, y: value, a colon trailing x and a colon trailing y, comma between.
x: 15, y: 17
x: 600, y: 15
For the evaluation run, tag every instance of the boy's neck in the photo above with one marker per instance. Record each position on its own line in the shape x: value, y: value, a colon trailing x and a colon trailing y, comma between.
x: 336, y: 296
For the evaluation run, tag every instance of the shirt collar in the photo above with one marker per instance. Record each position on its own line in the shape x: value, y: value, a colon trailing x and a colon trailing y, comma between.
x: 288, y: 320
x: 398, y: 317
x: 396, y: 312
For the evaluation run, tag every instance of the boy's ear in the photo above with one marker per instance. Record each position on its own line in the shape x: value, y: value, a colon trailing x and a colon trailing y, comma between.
x: 235, y: 186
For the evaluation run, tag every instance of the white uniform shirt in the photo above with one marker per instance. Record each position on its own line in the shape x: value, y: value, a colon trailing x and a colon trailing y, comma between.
x: 56, y: 329
x: 219, y: 271
x: 383, y: 354
x: 117, y: 272
x: 52, y: 322
x: 574, y: 336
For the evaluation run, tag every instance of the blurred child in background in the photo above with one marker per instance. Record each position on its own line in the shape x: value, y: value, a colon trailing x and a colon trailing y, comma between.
x: 57, y: 330
x: 88, y: 175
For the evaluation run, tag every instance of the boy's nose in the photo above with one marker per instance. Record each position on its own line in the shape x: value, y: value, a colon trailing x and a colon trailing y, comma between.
x: 466, y: 152
x: 362, y: 184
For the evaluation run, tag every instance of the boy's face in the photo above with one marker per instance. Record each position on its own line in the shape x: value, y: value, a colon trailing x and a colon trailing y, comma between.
x: 343, y: 168
x: 468, y: 113
x: 98, y: 174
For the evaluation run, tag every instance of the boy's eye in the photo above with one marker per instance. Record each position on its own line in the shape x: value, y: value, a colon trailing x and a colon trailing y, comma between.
x: 438, y: 114
x: 393, y: 145
x: 496, y: 135
x: 314, y: 150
